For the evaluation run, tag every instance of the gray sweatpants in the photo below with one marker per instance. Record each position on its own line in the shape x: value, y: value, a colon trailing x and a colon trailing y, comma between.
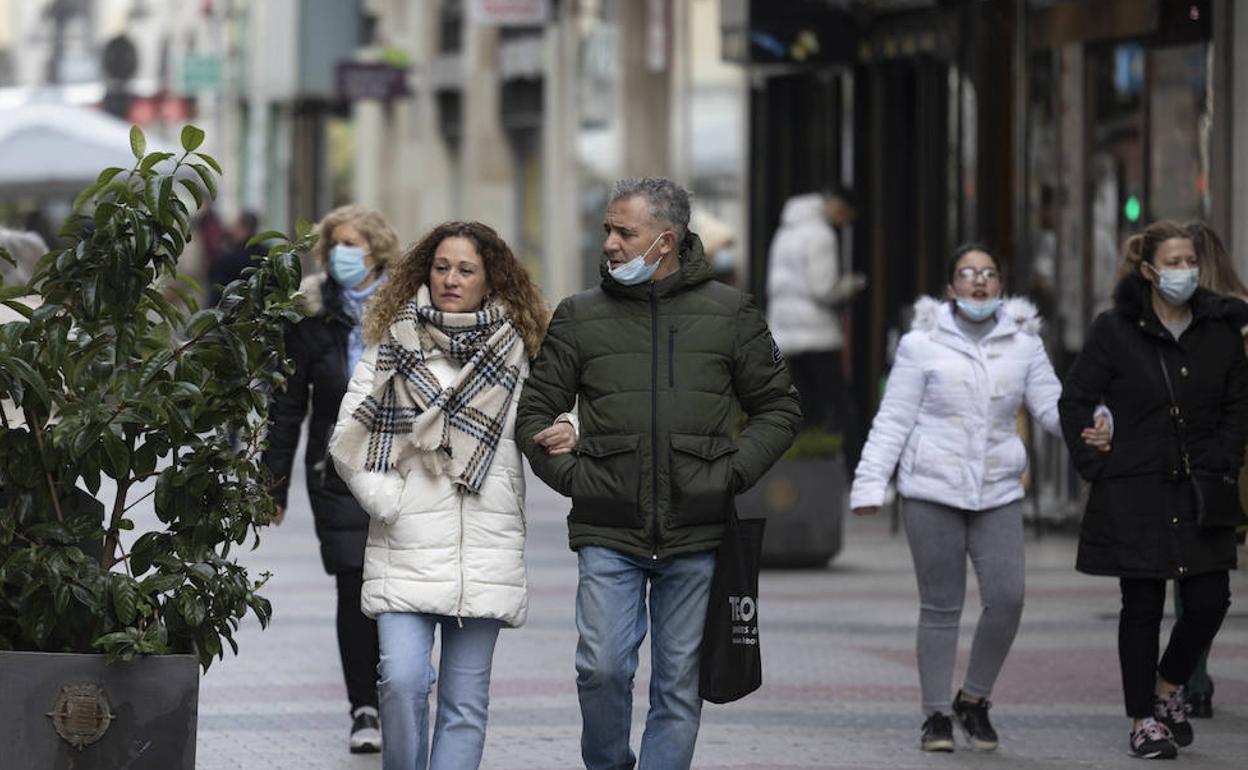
x: 940, y: 538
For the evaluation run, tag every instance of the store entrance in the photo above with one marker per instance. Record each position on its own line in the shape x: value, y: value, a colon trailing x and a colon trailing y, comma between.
x: 795, y: 148
x: 903, y: 159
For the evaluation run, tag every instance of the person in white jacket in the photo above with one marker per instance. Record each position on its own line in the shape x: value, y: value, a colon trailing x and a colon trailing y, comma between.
x: 947, y: 425
x: 425, y: 442
x: 806, y: 291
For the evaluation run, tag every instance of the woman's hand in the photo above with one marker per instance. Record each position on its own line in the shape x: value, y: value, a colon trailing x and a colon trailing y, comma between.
x: 1098, y: 436
x: 867, y: 510
x: 558, y: 439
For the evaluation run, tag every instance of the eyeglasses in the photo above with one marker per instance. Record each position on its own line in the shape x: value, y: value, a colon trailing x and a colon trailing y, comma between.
x: 968, y: 274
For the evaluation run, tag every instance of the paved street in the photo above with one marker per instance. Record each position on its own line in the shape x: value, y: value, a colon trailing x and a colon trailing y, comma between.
x: 840, y: 688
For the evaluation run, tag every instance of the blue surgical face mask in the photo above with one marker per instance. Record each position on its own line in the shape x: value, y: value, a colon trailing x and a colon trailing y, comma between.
x: 635, y: 270
x: 979, y: 310
x: 1178, y: 285
x: 346, y: 265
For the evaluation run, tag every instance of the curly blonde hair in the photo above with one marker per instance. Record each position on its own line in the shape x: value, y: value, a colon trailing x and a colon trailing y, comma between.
x: 383, y: 241
x: 508, y: 280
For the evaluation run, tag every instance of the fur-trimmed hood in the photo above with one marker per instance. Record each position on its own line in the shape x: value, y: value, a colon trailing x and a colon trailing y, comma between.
x: 323, y: 297
x: 928, y: 312
x: 803, y: 208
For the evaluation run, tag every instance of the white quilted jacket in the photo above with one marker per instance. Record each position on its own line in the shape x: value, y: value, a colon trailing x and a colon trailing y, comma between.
x: 804, y: 279
x: 433, y: 548
x: 949, y: 410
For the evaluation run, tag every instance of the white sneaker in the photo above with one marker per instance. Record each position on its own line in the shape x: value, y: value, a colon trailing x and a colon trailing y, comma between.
x: 365, y: 731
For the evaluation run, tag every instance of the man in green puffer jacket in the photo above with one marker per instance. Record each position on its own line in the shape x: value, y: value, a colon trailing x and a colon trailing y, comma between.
x: 657, y: 359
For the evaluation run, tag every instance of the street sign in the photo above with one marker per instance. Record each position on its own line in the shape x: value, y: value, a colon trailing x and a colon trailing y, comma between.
x: 801, y: 32
x: 370, y: 80
x: 201, y: 72
x: 508, y: 13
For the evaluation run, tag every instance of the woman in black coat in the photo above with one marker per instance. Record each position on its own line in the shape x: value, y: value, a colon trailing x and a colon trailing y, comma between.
x: 1143, y: 524
x: 355, y: 245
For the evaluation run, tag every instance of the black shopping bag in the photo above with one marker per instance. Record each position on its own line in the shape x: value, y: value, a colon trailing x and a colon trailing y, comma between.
x: 732, y: 665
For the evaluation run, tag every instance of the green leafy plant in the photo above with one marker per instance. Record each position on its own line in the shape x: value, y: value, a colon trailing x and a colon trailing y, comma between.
x: 118, y: 373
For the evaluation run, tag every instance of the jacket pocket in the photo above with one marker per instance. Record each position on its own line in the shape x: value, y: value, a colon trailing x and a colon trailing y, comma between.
x: 701, y: 479
x: 1007, y: 461
x: 606, y: 481
x: 933, y: 462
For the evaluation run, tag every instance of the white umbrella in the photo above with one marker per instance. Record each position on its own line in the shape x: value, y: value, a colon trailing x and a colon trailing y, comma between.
x: 49, y: 150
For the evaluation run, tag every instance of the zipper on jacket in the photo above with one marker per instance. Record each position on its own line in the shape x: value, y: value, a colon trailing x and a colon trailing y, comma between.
x: 671, y: 356
x: 654, y: 419
x: 459, y: 606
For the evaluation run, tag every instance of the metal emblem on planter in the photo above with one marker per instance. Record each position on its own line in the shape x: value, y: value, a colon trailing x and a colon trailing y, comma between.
x: 81, y: 714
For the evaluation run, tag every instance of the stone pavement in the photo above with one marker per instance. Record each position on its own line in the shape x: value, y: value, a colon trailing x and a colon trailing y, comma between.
x: 840, y: 686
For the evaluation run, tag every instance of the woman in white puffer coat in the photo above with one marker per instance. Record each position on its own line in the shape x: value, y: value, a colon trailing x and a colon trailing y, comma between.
x: 425, y: 442
x: 947, y: 424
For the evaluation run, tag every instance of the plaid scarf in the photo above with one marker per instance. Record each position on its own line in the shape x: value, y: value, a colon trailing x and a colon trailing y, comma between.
x: 410, y: 417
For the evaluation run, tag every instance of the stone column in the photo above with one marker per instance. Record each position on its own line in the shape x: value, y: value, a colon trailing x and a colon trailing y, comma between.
x: 644, y: 92
x: 561, y: 260
x: 487, y: 170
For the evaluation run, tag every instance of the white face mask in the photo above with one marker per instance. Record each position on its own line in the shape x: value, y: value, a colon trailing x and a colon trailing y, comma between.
x: 979, y: 310
x: 635, y: 270
x: 347, y: 265
x: 1177, y: 285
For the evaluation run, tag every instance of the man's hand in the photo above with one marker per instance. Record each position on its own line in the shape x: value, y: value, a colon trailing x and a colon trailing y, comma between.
x: 1098, y: 435
x: 277, y: 517
x: 558, y: 439
x: 867, y: 510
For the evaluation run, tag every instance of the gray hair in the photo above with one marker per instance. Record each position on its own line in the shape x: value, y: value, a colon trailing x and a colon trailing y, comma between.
x: 669, y: 202
x: 26, y: 247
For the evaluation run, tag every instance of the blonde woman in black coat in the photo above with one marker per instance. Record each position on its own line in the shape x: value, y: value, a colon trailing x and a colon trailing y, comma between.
x: 354, y: 247
x: 1168, y: 361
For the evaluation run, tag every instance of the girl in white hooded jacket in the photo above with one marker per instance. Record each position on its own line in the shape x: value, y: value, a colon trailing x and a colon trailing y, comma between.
x: 425, y: 442
x: 947, y: 425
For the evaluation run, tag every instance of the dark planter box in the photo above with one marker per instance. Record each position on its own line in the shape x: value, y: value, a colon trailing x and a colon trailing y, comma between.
x: 148, y: 711
x: 804, y: 504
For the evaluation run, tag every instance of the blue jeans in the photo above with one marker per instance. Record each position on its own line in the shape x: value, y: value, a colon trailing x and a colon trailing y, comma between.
x: 407, y: 676
x: 611, y: 621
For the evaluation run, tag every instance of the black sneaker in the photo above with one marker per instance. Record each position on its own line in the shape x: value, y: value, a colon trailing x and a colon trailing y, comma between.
x: 1152, y: 740
x: 1172, y: 713
x: 365, y: 731
x: 973, y: 718
x: 937, y: 733
x: 1199, y: 704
